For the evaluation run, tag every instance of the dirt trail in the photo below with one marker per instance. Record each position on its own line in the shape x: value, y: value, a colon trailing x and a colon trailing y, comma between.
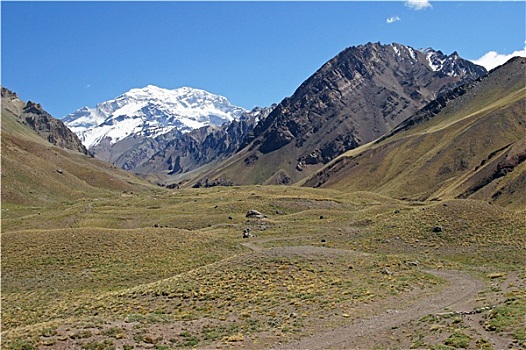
x: 458, y: 295
x: 254, y: 244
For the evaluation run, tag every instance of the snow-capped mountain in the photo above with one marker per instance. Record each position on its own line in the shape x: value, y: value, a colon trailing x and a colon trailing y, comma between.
x: 150, y: 111
x: 451, y: 65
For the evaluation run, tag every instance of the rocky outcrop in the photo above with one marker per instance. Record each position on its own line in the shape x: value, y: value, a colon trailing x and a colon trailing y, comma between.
x: 11, y: 103
x: 254, y: 214
x: 212, y: 183
x: 8, y: 94
x: 33, y: 115
x: 53, y: 130
x: 495, y: 167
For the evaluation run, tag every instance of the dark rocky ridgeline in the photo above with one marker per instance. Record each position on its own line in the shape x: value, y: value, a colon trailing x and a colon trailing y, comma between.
x: 453, y: 96
x: 48, y: 127
x: 6, y: 93
x: 356, y: 97
x: 480, y: 155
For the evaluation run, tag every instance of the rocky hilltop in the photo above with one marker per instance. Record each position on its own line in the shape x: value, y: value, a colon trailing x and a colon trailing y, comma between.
x: 33, y: 115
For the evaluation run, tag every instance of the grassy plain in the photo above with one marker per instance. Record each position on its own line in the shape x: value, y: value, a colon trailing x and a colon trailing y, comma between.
x: 169, y: 269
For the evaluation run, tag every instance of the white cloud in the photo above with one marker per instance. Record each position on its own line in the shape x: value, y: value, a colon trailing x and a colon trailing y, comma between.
x: 493, y: 59
x: 418, y: 4
x: 393, y: 19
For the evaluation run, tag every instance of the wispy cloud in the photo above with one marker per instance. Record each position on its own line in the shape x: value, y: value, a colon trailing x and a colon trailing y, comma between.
x: 418, y: 4
x: 494, y: 59
x: 88, y: 86
x: 393, y: 19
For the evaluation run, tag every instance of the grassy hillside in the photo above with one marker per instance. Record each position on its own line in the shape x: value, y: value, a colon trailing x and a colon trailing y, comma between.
x: 473, y: 148
x: 36, y: 173
x: 270, y: 170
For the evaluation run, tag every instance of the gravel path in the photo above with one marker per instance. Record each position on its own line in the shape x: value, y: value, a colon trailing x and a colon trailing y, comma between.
x: 459, y: 294
x: 462, y: 289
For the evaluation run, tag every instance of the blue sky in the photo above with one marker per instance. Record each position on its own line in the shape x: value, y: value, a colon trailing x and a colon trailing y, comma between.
x: 67, y: 55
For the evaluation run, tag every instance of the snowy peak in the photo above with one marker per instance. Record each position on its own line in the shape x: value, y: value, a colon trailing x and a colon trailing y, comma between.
x: 448, y: 65
x: 184, y: 96
x: 435, y: 59
x: 150, y: 111
x: 452, y: 65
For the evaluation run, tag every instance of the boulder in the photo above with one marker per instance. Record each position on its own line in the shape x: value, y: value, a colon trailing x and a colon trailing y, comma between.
x: 254, y: 214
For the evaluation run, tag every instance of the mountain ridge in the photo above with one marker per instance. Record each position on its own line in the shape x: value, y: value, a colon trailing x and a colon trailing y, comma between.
x: 354, y: 98
x: 202, y: 146
x: 469, y: 143
x: 46, y: 126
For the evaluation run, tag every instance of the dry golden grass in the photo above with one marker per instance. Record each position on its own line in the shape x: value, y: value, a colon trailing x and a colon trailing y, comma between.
x: 36, y: 173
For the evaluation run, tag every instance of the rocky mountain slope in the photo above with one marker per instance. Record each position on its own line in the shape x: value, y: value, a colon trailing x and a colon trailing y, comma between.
x: 150, y: 111
x: 469, y: 143
x: 44, y: 163
x: 356, y: 97
x: 178, y: 153
x: 49, y: 128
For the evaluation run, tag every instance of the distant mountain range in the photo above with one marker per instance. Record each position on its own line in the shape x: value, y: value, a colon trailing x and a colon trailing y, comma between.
x: 150, y: 111
x: 153, y: 130
x: 354, y: 98
x: 176, y: 153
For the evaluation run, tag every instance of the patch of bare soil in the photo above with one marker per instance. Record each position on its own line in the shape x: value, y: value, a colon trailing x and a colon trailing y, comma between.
x: 456, y: 316
x: 471, y: 325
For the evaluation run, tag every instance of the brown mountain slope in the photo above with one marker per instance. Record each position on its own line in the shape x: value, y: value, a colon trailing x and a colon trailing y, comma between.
x: 49, y: 128
x: 356, y: 97
x: 470, y: 144
x: 35, y: 172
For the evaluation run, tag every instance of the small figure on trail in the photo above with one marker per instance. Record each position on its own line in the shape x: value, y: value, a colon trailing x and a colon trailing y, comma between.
x: 246, y: 233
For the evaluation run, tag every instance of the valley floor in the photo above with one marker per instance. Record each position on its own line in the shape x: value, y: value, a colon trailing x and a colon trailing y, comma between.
x: 323, y: 270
